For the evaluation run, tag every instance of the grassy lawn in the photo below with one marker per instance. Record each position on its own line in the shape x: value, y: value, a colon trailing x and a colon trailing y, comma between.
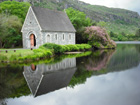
x: 20, y: 52
x: 45, y: 51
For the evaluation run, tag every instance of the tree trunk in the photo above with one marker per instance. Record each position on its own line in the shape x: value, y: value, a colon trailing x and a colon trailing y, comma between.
x: 0, y: 43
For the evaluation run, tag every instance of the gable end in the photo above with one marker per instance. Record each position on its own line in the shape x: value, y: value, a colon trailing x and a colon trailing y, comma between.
x: 27, y: 15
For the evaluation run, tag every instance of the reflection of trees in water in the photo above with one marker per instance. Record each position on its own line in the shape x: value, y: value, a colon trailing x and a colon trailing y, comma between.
x: 96, y: 61
x: 99, y: 59
x: 137, y: 48
x: 12, y: 83
x: 126, y: 57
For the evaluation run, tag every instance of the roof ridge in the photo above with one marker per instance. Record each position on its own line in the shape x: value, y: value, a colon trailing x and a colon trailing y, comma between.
x: 53, y: 20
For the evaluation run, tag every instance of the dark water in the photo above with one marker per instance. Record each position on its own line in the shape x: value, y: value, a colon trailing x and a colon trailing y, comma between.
x: 104, y: 77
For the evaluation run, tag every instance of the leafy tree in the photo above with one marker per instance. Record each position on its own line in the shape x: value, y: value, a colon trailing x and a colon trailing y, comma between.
x: 112, y: 34
x: 99, y: 38
x: 14, y: 8
x: 120, y: 37
x: 138, y: 33
x: 79, y: 21
x: 10, y: 34
x: 101, y: 24
x: 78, y: 18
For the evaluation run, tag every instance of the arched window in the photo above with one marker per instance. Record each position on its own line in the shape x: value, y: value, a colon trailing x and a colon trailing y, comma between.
x: 70, y: 36
x: 49, y: 67
x: 48, y: 38
x: 56, y: 36
x: 63, y: 36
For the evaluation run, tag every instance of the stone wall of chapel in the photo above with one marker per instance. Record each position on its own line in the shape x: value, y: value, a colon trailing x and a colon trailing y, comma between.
x: 31, y: 27
x: 62, y: 38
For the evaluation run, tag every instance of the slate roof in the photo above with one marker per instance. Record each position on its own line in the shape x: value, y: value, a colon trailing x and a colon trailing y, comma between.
x: 51, y: 20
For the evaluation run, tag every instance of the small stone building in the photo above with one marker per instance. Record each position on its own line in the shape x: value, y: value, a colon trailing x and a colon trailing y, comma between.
x: 46, y: 26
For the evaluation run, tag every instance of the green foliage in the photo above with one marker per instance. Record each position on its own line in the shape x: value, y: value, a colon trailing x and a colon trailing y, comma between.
x: 138, y: 33
x: 120, y: 37
x: 101, y: 24
x: 72, y: 47
x: 45, y: 51
x: 80, y: 36
x: 10, y: 34
x: 62, y: 48
x: 98, y: 37
x: 79, y: 21
x: 57, y: 48
x: 78, y: 18
x: 112, y: 34
x: 14, y: 8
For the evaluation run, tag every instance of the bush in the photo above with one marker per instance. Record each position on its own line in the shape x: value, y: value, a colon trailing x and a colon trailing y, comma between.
x: 115, y: 39
x: 72, y: 47
x: 98, y: 37
x: 2, y: 58
x: 46, y: 50
x: 62, y: 48
x: 120, y: 37
x: 86, y: 46
x: 57, y: 48
x: 124, y: 39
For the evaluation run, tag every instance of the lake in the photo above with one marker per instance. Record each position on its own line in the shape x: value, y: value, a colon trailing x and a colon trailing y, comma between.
x: 102, y: 77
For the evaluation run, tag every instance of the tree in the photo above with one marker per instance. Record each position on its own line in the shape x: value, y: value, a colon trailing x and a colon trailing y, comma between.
x: 112, y: 34
x: 138, y: 33
x: 101, y: 24
x: 99, y: 38
x: 78, y: 18
x: 14, y: 8
x: 79, y: 21
x: 10, y: 34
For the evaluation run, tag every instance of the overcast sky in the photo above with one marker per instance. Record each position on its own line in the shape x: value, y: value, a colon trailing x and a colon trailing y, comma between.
x: 133, y: 5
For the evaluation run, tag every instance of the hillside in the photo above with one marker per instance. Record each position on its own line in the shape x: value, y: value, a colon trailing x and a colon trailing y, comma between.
x: 117, y: 20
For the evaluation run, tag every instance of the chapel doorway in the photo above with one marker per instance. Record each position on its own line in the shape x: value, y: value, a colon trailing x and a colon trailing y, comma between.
x: 32, y: 40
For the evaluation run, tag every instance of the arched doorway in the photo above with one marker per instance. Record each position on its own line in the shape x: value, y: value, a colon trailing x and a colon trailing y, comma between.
x: 32, y: 40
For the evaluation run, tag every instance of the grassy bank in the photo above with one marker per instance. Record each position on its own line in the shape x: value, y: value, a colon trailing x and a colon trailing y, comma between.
x: 45, y: 51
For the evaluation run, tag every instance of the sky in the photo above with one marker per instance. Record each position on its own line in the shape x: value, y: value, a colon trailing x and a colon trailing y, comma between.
x: 133, y: 5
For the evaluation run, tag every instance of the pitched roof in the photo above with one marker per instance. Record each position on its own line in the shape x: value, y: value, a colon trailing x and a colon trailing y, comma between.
x: 51, y: 20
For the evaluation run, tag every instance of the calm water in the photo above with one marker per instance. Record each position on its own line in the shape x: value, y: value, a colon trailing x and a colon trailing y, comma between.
x: 105, y: 77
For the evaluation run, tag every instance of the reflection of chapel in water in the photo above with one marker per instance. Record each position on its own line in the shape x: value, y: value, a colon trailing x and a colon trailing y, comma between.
x: 44, y: 78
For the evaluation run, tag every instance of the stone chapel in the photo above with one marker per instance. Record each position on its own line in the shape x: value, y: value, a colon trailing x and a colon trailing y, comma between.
x: 42, y: 26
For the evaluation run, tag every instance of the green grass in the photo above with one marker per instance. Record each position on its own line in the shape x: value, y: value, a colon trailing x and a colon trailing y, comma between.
x: 45, y: 51
x: 10, y: 53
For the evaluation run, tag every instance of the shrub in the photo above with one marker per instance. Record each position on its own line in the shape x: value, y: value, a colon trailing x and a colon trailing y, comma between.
x: 98, y: 37
x: 86, y: 46
x: 57, y: 48
x: 2, y: 58
x: 72, y: 47
x: 115, y: 39
x: 124, y: 39
x: 80, y: 46
x: 66, y: 48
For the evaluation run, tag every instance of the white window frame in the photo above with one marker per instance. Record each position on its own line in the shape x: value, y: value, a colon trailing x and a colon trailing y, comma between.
x: 56, y: 36
x: 69, y: 36
x: 63, y: 36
